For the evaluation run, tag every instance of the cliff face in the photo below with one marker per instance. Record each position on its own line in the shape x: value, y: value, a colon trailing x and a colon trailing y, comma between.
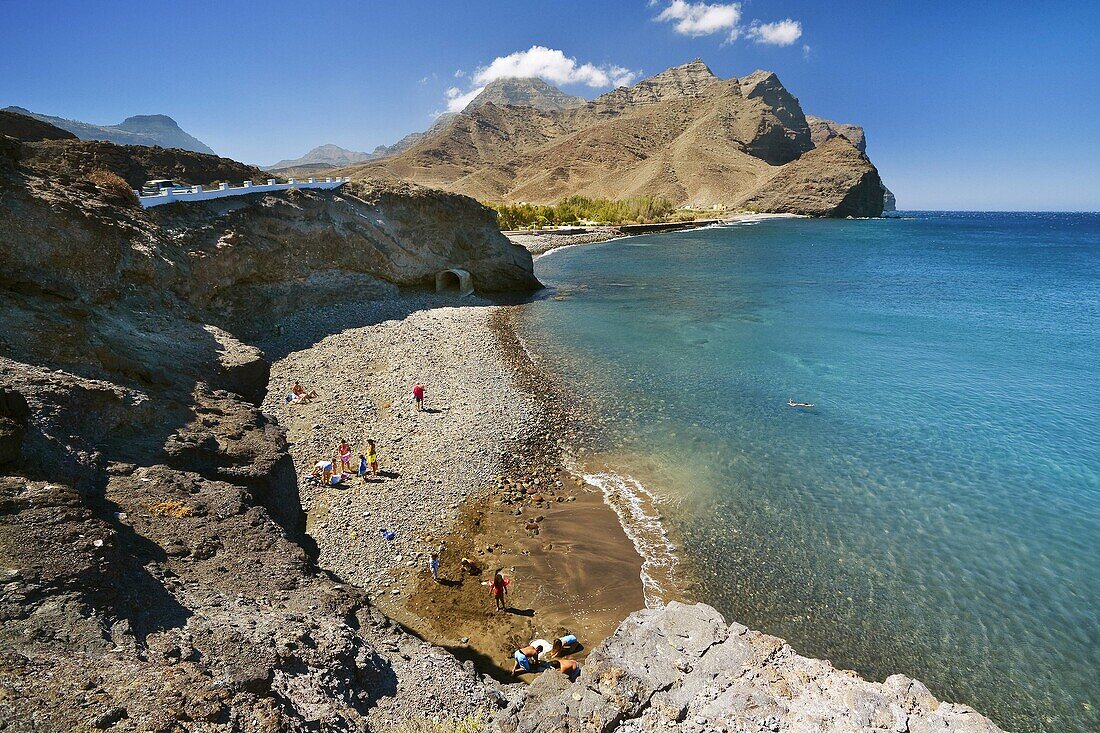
x: 822, y: 130
x: 834, y: 179
x: 683, y: 134
x: 682, y: 668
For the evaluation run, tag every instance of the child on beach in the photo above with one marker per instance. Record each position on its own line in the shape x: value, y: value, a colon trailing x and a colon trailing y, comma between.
x: 433, y: 566
x: 344, y: 451
x: 526, y: 659
x: 418, y: 395
x: 362, y: 468
x: 372, y: 457
x: 499, y: 589
x: 568, y: 667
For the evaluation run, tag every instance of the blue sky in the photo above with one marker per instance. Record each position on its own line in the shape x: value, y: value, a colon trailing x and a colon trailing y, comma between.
x: 966, y: 105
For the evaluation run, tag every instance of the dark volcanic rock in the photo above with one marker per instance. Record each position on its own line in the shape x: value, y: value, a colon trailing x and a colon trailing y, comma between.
x: 30, y: 129
x: 833, y: 180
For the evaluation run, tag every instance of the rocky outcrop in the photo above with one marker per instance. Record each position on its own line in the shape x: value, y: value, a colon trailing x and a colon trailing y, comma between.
x: 682, y: 668
x: 833, y: 179
x: 137, y: 164
x: 889, y: 203
x: 688, y: 80
x: 148, y: 130
x: 329, y: 155
x: 822, y: 130
x: 783, y: 132
x: 532, y: 92
x: 30, y: 129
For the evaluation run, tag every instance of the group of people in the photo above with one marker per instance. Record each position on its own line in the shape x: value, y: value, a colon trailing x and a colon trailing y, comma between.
x: 531, y: 657
x: 335, y: 471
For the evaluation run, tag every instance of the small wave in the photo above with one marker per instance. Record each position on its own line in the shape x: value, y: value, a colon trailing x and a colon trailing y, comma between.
x: 635, y: 506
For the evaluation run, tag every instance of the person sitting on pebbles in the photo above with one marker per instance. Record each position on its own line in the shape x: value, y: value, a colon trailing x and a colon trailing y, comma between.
x: 471, y: 567
x: 526, y: 660
x: 298, y: 393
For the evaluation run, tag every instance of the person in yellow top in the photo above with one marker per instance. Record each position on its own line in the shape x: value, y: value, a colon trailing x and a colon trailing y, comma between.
x: 372, y: 457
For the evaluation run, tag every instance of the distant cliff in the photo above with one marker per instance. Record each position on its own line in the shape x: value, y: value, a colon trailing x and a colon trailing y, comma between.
x: 158, y: 130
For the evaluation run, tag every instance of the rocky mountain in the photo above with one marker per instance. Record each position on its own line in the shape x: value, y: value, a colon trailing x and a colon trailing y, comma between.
x: 532, y: 92
x: 328, y: 155
x: 159, y: 130
x: 683, y: 134
x: 822, y: 129
x: 30, y: 129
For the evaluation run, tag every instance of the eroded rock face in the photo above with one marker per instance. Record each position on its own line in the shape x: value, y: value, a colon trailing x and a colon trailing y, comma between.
x: 822, y: 130
x: 683, y: 668
x: 834, y: 179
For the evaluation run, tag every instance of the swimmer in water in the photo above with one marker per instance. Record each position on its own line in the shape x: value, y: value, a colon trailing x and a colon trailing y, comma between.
x: 792, y: 403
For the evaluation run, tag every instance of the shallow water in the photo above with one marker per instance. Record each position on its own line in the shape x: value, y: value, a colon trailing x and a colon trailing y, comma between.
x: 937, y: 512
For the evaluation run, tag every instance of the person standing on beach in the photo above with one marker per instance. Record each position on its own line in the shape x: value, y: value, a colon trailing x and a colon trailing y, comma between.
x: 344, y: 451
x: 362, y: 468
x: 433, y: 566
x: 418, y: 395
x: 372, y: 457
x: 499, y: 589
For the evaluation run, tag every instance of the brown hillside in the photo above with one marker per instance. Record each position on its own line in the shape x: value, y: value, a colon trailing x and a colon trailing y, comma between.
x: 684, y: 134
x: 29, y: 129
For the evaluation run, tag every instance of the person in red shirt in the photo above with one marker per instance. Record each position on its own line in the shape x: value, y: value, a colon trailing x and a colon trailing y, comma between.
x: 418, y: 395
x: 499, y: 589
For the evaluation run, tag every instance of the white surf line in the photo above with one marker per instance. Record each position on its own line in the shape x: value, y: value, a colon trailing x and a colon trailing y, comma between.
x: 635, y: 506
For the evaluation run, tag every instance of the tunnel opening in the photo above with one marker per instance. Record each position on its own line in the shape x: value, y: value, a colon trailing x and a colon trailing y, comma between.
x: 455, y: 281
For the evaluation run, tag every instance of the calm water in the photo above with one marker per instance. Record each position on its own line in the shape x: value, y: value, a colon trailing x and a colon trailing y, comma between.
x: 937, y: 512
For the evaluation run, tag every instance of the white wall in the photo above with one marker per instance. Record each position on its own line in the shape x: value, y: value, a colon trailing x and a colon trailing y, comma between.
x: 198, y: 193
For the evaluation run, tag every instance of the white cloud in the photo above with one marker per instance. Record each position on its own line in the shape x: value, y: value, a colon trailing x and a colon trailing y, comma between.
x: 553, y: 66
x: 423, y: 80
x: 548, y: 64
x: 780, y: 33
x: 458, y: 99
x: 702, y: 19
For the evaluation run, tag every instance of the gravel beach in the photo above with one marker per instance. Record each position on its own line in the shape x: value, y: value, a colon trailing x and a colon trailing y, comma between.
x: 457, y: 472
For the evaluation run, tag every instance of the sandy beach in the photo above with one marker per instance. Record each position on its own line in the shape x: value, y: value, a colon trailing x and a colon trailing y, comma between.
x: 473, y: 470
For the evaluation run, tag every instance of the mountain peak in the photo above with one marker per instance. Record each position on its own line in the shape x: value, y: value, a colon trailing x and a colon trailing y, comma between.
x: 686, y: 80
x: 526, y: 92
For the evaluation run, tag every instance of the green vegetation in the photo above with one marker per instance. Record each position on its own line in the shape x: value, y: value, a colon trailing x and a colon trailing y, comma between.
x: 580, y: 209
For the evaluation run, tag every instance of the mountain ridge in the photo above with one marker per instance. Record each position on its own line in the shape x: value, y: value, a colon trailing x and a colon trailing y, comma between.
x: 683, y: 134
x: 149, y: 130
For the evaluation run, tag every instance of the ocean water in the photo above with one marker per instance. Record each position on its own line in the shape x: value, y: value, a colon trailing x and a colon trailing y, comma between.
x: 937, y: 512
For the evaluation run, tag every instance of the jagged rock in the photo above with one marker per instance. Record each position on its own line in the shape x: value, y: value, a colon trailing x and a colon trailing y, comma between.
x: 692, y: 79
x: 822, y: 130
x: 889, y: 203
x: 833, y: 179
x: 532, y: 92
x: 784, y: 134
x: 681, y: 667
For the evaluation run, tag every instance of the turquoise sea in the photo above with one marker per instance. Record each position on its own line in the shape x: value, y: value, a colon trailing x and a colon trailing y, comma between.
x: 937, y: 512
